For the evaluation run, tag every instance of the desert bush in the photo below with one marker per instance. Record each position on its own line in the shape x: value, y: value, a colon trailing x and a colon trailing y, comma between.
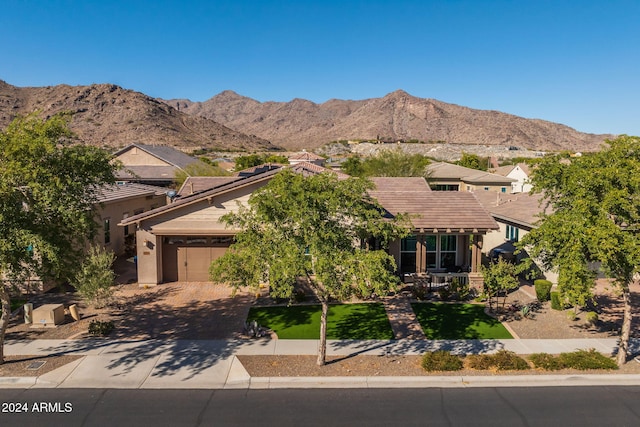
x: 460, y: 290
x: 95, y: 279
x: 100, y: 328
x: 556, y: 303
x: 545, y: 361
x: 591, y: 318
x: 586, y: 359
x: 441, y: 361
x: 444, y: 293
x: 543, y: 289
x: 503, y: 360
x: 481, y: 362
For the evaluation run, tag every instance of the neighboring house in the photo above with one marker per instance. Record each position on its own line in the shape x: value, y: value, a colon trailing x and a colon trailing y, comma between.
x: 516, y: 215
x: 178, y: 242
x: 520, y: 173
x: 152, y: 164
x: 449, y: 177
x: 306, y: 157
x: 117, y: 203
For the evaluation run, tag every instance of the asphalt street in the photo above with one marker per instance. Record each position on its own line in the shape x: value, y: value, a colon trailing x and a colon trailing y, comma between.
x: 517, y: 406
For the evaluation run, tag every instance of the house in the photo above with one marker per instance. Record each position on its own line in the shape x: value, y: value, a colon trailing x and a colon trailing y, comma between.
x: 152, y: 164
x: 449, y: 177
x: 448, y: 227
x: 178, y: 241
x: 118, y: 202
x: 306, y: 157
x: 520, y: 173
x: 516, y: 215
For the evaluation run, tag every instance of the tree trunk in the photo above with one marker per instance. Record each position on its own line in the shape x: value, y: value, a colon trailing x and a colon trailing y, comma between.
x: 623, y: 347
x: 5, y: 301
x: 322, y: 349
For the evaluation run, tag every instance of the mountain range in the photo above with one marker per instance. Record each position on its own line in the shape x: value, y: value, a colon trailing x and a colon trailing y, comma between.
x: 108, y: 115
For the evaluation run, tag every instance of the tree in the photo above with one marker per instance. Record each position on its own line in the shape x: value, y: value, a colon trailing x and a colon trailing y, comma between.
x: 251, y: 160
x: 199, y: 169
x: 595, y: 201
x: 473, y: 161
x: 311, y: 228
x: 96, y: 277
x: 48, y: 189
x: 390, y: 163
x: 499, y: 278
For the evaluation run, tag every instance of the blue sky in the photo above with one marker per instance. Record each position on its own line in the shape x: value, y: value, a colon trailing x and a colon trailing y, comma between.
x: 575, y: 62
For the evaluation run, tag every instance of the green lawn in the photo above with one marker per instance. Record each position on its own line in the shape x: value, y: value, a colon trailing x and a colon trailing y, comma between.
x: 441, y: 321
x: 344, y: 322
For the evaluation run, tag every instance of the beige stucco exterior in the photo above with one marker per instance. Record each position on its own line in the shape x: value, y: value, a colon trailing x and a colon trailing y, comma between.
x: 116, y: 211
x: 137, y: 157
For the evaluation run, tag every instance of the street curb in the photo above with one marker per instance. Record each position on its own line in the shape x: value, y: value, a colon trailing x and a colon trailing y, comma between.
x: 22, y: 382
x: 444, y: 381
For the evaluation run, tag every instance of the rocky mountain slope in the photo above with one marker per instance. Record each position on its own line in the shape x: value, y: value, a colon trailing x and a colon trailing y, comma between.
x: 396, y: 116
x: 110, y: 116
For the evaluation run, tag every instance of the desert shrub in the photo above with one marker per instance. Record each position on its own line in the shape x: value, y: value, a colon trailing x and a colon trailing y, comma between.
x: 556, y: 303
x: 545, y: 361
x: 444, y: 292
x: 460, y: 290
x: 591, y: 318
x: 419, y: 292
x: 586, y: 359
x: 100, y: 328
x: 95, y: 279
x: 503, y: 360
x: 441, y: 361
x: 543, y: 289
x: 481, y: 362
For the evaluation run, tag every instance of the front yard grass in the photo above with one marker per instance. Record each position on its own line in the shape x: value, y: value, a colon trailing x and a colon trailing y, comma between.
x: 441, y: 321
x: 344, y: 321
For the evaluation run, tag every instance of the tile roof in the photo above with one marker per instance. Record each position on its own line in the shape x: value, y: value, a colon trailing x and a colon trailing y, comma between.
x: 522, y: 208
x: 506, y: 170
x: 443, y: 170
x: 148, y: 173
x: 403, y: 184
x: 203, y: 195
x: 195, y: 184
x: 111, y: 193
x: 305, y: 156
x: 164, y: 152
x: 307, y: 169
x: 444, y: 211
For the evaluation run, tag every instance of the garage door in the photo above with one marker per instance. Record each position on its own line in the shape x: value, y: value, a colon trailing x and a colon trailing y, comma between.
x: 194, y: 262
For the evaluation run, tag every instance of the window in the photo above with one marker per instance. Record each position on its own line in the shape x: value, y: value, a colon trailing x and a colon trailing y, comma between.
x: 446, y: 187
x: 126, y: 227
x: 511, y: 233
x: 448, y: 249
x: 196, y: 240
x: 503, y: 190
x: 107, y: 230
x: 408, y: 254
x: 486, y: 188
x: 430, y: 242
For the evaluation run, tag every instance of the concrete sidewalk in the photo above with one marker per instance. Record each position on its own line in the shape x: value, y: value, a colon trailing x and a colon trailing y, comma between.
x: 162, y: 364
